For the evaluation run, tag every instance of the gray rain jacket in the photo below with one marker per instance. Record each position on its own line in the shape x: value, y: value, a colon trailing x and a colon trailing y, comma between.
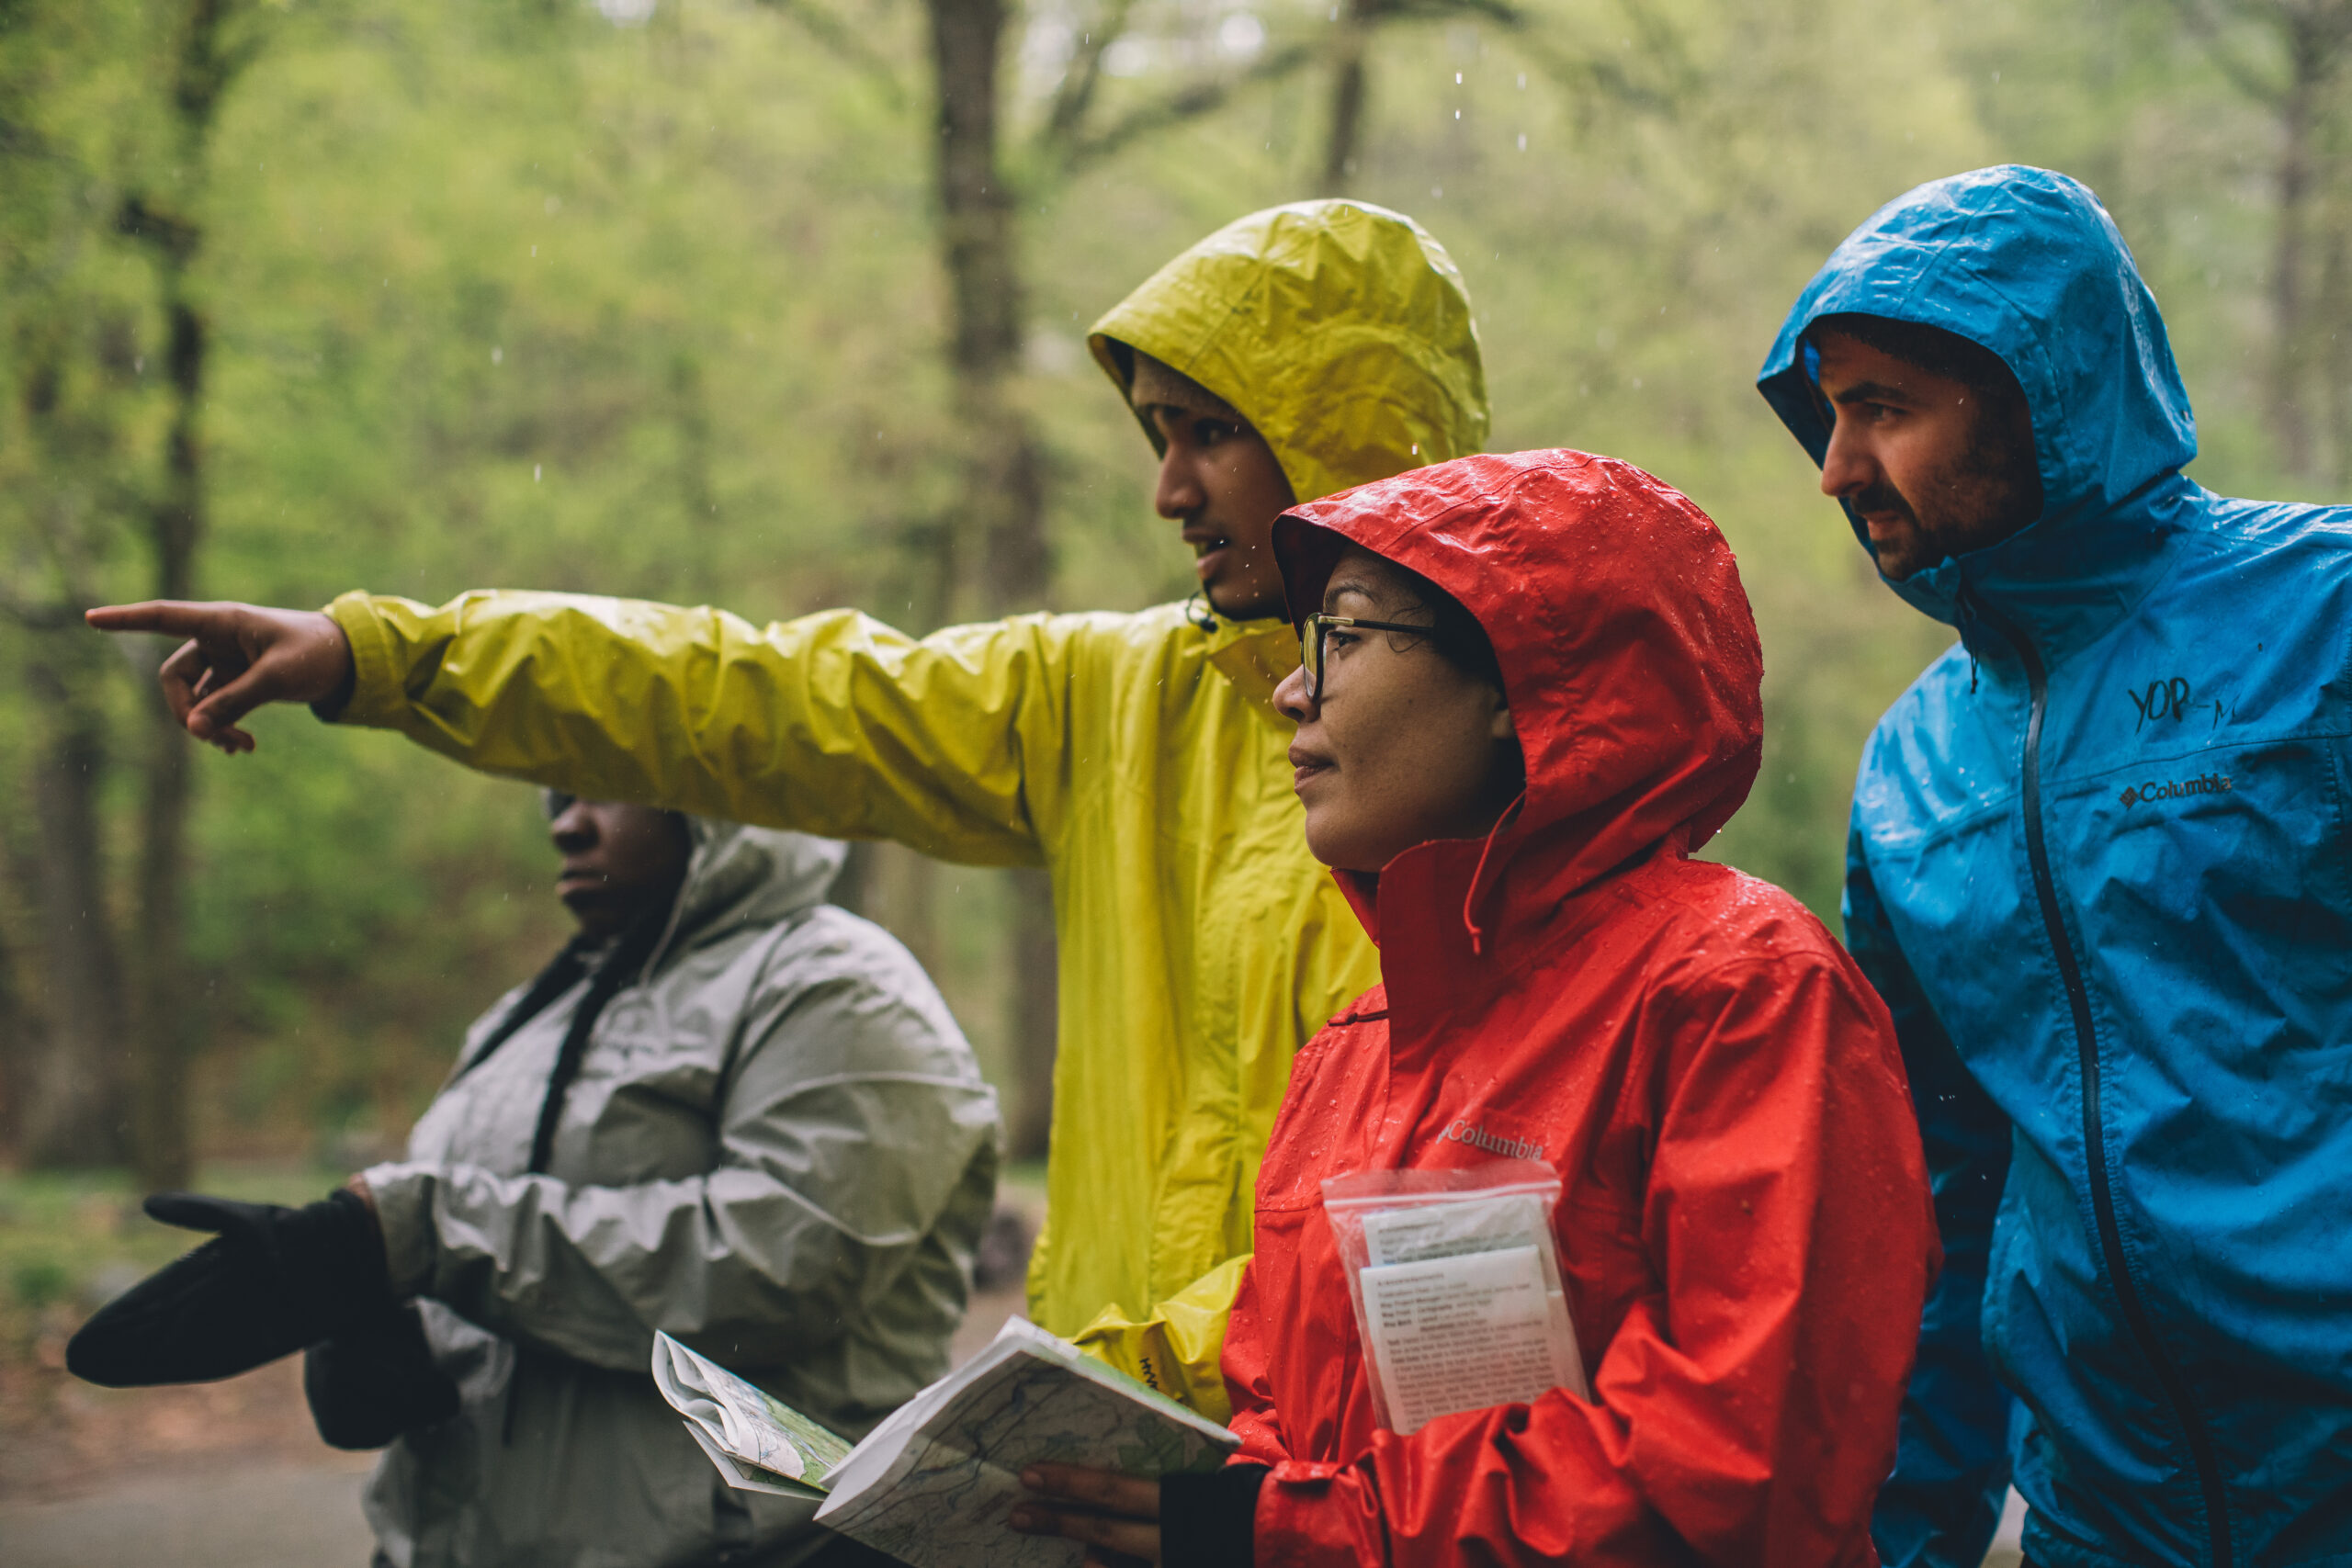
x: 778, y: 1148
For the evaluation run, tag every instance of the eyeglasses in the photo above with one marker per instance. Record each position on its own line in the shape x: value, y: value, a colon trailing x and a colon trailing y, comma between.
x: 1315, y: 629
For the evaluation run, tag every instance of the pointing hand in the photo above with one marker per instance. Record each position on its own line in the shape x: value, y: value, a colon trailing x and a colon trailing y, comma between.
x: 237, y: 658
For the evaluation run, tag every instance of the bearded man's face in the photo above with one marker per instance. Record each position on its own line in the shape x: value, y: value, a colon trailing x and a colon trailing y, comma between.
x: 1932, y: 466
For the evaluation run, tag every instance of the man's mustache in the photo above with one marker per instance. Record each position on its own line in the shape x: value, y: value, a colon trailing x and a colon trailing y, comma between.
x: 1883, y: 497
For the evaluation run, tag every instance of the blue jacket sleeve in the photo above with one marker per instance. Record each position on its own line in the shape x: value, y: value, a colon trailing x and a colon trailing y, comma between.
x: 1951, y: 1466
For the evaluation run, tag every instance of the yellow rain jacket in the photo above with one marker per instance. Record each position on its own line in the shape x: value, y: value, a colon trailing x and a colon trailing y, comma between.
x: 1135, y: 756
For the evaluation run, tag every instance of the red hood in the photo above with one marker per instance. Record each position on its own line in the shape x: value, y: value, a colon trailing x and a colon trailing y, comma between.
x: 1629, y: 657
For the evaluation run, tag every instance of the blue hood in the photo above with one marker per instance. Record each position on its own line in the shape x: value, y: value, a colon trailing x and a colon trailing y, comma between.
x: 2027, y: 263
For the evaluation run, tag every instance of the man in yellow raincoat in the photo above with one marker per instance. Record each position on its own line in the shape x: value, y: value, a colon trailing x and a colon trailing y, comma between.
x: 1293, y: 352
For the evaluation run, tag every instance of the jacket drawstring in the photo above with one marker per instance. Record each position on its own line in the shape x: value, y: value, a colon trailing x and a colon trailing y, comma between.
x: 1478, y: 875
x: 625, y: 964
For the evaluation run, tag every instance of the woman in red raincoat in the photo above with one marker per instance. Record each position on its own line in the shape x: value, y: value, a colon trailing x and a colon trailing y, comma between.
x: 1745, y: 1231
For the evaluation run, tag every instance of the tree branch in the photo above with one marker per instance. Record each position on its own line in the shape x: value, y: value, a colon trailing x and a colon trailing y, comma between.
x: 846, y: 43
x: 1499, y: 11
x: 1075, y: 94
x: 2200, y: 18
x: 173, y: 237
x: 1185, y: 104
x: 1667, y: 86
x: 39, y: 617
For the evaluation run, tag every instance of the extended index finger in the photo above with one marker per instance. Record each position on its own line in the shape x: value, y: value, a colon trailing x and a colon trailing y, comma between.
x: 172, y: 618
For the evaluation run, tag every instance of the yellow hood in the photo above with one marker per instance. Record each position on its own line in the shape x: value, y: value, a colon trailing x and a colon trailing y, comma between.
x: 1340, y: 329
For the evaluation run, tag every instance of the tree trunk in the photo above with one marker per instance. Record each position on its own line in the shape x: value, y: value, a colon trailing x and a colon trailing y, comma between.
x: 2336, y: 364
x: 998, y: 548
x: 70, y: 1080
x: 165, y: 1025
x: 696, y: 575
x: 2289, y: 418
x: 1344, y: 142
x: 167, y: 1029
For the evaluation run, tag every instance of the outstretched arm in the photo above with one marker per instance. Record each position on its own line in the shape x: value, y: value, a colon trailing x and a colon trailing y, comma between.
x: 955, y: 744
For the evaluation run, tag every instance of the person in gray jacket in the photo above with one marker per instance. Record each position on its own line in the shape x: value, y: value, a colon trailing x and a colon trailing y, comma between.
x: 727, y: 1111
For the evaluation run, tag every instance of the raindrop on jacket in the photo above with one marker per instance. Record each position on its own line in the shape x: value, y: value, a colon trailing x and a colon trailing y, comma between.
x: 2104, y: 894
x: 777, y: 1147
x: 1136, y: 757
x: 1745, y: 1230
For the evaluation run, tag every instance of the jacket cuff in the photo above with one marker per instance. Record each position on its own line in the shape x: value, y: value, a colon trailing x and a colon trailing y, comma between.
x: 1209, y: 1521
x: 404, y: 1195
x: 375, y: 693
x: 1176, y: 1347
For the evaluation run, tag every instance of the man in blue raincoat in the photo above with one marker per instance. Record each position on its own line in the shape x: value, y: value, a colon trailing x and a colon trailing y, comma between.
x: 2098, y: 868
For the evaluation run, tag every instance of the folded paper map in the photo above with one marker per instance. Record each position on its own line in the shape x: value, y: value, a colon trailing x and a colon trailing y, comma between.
x: 933, y: 1484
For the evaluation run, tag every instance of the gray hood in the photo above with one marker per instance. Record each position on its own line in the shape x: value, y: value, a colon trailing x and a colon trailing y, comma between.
x: 739, y: 875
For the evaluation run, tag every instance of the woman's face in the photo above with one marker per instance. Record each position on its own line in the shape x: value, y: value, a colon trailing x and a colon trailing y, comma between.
x: 1400, y: 746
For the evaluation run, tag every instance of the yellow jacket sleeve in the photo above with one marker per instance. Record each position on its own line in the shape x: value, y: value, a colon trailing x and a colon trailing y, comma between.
x: 1178, y: 1347
x: 831, y: 724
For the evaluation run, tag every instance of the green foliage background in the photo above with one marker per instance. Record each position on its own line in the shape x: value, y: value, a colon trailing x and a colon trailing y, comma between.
x: 506, y: 294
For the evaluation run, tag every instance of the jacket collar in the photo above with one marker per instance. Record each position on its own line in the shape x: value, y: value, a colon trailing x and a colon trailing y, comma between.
x: 1453, y: 918
x: 1254, y: 656
x: 2064, y: 581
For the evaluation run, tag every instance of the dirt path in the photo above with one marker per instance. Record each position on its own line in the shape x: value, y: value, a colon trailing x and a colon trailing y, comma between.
x: 254, y: 1516
x: 217, y: 1475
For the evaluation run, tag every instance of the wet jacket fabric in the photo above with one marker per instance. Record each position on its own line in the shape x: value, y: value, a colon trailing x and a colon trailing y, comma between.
x: 777, y: 1147
x: 2098, y: 869
x: 1136, y: 757
x: 1745, y: 1230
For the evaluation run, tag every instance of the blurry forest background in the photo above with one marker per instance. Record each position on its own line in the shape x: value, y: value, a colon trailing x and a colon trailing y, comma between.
x: 781, y: 306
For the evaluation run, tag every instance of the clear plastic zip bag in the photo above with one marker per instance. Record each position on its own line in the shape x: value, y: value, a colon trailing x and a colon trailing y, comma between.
x: 1456, y: 1284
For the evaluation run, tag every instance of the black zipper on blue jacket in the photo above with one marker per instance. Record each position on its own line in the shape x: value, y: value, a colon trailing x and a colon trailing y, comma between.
x: 2078, y: 998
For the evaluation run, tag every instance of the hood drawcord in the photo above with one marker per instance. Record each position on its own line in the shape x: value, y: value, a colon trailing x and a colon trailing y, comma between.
x: 624, y: 964
x: 562, y: 972
x: 1478, y: 875
x: 626, y: 961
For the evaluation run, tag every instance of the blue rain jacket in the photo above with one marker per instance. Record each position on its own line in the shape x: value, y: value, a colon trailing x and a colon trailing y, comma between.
x: 2099, y: 869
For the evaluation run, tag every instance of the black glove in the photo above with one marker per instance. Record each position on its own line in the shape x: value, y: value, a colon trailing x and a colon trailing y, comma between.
x: 375, y: 1380
x: 272, y: 1280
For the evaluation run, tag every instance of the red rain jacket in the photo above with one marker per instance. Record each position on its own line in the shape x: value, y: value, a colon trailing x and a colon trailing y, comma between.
x: 1745, y: 1231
